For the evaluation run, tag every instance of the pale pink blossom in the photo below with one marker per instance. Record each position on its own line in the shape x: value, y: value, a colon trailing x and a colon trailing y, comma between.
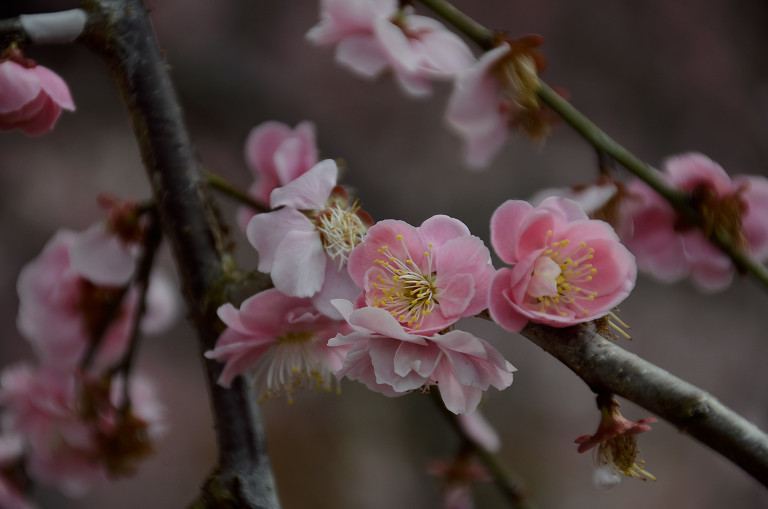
x: 374, y: 35
x: 591, y: 198
x: 567, y: 269
x: 392, y: 361
x: 305, y: 244
x: 474, y: 110
x: 31, y: 96
x: 71, y: 426
x: 669, y: 248
x: 276, y: 155
x: 426, y: 277
x: 282, y: 341
x: 60, y: 309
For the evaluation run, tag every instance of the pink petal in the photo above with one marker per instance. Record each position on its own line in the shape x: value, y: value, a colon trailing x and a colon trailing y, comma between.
x: 298, y: 269
x: 687, y: 171
x: 55, y: 87
x: 501, y: 307
x: 266, y: 231
x: 456, y: 294
x: 101, y: 257
x: 309, y: 191
x: 337, y: 285
x: 260, y: 146
x: 439, y: 229
x: 18, y: 86
x: 362, y: 54
x: 43, y: 121
x: 411, y: 357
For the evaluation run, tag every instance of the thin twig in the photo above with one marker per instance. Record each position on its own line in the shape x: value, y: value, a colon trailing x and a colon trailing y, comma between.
x: 510, y: 485
x: 221, y: 184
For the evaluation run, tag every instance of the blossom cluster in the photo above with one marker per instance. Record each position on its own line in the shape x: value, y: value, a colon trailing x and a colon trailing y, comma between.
x: 379, y: 302
x: 74, y: 417
x: 491, y: 96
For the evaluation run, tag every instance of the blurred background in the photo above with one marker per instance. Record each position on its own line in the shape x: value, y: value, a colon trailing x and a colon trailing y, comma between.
x: 660, y: 77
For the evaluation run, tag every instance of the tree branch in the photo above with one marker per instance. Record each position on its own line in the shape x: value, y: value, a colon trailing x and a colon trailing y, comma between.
x: 120, y: 31
x: 606, y: 367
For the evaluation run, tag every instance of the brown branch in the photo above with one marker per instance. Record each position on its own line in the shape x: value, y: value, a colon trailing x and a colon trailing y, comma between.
x: 120, y: 31
x: 606, y: 367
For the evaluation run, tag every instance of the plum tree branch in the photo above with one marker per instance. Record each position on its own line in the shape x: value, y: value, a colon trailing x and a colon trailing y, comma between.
x: 606, y: 367
x: 120, y: 31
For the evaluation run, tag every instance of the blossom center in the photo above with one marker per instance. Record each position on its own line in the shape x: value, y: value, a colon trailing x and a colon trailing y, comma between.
x: 340, y: 231
x: 558, y: 276
x: 403, y: 289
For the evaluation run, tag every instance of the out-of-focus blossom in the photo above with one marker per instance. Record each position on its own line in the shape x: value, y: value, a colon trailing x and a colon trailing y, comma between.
x: 77, y: 436
x: 669, y: 248
x: 374, y: 35
x: 31, y: 96
x: 567, y: 269
x: 61, y: 311
x: 458, y: 477
x: 497, y: 94
x: 277, y: 155
x: 392, y: 361
x: 426, y: 277
x: 305, y: 244
x: 616, y: 443
x: 282, y: 341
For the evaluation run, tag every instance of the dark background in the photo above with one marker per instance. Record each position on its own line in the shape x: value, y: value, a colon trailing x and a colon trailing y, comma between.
x: 660, y: 77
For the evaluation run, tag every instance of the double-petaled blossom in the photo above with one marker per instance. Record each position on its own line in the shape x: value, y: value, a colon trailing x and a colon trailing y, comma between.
x: 374, y: 35
x: 75, y: 430
x: 567, y: 268
x: 281, y: 340
x: 304, y: 245
x: 417, y: 282
x: 31, y: 96
x: 277, y: 155
x: 62, y: 311
x: 669, y: 248
x: 616, y: 442
x: 497, y: 94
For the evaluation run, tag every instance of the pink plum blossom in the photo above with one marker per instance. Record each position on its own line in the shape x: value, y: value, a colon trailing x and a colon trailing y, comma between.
x: 277, y: 155
x: 426, y: 277
x: 304, y: 245
x: 72, y: 426
x: 567, y: 269
x: 392, y: 361
x: 669, y: 248
x: 497, y: 94
x: 60, y: 310
x: 281, y: 340
x: 374, y: 35
x: 31, y: 96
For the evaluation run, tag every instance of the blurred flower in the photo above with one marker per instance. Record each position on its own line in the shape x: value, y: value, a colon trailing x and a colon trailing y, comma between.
x: 77, y: 434
x: 392, y: 361
x: 277, y: 155
x: 304, y: 245
x: 480, y: 431
x: 281, y: 340
x: 61, y: 311
x: 669, y: 248
x: 373, y: 35
x: 426, y: 277
x: 616, y: 444
x: 31, y: 96
x: 497, y: 94
x: 567, y: 269
x: 458, y: 476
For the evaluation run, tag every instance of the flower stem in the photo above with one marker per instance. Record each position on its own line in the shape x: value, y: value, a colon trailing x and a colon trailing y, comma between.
x: 221, y: 184
x: 480, y: 35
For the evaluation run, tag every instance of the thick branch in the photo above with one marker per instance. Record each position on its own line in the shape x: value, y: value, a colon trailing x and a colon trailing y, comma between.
x: 120, y: 31
x: 607, y: 367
